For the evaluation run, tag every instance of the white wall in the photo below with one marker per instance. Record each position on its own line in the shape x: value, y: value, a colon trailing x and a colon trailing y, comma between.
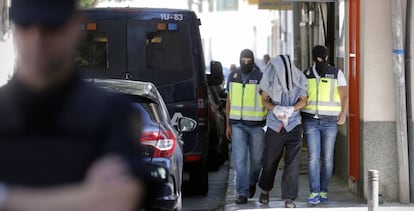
x: 377, y: 78
x: 412, y: 61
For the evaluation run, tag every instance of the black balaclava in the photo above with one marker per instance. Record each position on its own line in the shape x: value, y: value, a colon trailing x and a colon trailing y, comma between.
x: 321, y: 52
x: 246, y: 68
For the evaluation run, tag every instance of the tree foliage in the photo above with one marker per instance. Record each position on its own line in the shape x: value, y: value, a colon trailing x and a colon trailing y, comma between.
x: 92, y: 3
x: 87, y: 3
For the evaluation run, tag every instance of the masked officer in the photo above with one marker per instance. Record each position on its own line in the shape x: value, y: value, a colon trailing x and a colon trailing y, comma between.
x: 245, y: 119
x: 64, y: 145
x: 326, y: 109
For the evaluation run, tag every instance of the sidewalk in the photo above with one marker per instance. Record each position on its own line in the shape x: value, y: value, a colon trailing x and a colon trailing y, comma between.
x: 340, y: 197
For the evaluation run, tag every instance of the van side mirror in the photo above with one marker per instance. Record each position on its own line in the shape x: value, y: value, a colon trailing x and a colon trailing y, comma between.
x: 223, y: 102
x: 216, y: 76
x: 186, y: 124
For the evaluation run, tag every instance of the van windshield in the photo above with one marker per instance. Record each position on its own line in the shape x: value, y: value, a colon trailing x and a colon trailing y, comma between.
x: 146, y: 50
x: 93, y: 52
x: 168, y: 54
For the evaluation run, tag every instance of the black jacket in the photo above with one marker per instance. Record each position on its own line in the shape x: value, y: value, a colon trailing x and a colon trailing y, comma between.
x: 53, y: 138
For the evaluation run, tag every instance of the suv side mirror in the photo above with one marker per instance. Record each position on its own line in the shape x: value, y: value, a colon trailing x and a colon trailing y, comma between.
x: 216, y: 76
x: 186, y: 124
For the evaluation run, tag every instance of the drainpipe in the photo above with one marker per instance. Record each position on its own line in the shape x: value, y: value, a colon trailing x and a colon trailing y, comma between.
x: 409, y: 95
x: 296, y: 33
x: 304, y: 37
x: 330, y: 38
x: 401, y: 109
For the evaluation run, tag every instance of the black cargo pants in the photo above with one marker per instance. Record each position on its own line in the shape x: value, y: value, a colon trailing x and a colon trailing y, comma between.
x: 273, y: 151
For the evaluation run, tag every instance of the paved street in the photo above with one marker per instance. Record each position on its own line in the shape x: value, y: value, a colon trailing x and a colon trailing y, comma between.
x: 216, y: 196
x: 340, y: 197
x: 222, y: 194
x: 339, y: 209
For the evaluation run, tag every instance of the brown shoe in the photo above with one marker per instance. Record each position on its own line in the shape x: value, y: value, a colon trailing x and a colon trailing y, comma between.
x: 264, y: 198
x: 289, y: 203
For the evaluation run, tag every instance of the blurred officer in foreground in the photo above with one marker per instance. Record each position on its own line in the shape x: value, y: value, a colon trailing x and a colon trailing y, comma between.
x: 64, y: 145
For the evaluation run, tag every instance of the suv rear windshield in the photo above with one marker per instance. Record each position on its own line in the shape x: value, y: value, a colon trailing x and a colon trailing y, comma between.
x: 149, y: 110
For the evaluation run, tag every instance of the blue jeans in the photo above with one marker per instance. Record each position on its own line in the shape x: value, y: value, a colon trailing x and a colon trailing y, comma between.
x: 321, y: 138
x: 247, y: 139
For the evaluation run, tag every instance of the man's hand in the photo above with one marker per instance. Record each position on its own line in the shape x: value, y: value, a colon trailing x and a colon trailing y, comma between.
x: 341, y: 118
x: 228, y: 132
x: 110, y: 187
x: 265, y: 96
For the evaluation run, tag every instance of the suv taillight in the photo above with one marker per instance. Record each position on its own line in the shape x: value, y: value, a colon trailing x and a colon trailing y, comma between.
x: 163, y: 142
x: 201, y: 105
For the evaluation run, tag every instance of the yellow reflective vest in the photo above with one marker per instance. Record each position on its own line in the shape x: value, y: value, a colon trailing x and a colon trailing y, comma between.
x: 324, y: 101
x: 245, y: 100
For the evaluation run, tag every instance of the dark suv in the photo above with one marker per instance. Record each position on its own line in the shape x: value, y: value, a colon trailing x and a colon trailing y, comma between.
x: 162, y: 46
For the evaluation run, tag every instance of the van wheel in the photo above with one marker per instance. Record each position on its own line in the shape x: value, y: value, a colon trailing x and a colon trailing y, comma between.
x: 224, y: 155
x: 218, y: 155
x: 213, y: 160
x: 199, y: 179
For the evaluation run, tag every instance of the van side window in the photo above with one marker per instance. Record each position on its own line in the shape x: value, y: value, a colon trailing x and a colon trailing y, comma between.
x: 93, y: 51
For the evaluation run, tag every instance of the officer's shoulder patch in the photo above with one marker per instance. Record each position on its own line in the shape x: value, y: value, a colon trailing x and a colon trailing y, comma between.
x: 308, y: 72
x: 235, y: 75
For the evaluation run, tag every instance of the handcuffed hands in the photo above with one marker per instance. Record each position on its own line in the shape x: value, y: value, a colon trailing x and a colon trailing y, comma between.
x: 283, y: 113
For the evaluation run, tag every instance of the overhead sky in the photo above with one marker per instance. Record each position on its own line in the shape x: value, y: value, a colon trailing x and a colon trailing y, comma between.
x: 6, y: 60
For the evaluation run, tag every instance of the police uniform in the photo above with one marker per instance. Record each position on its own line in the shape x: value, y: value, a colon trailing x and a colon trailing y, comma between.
x: 320, y: 118
x: 324, y: 101
x: 246, y: 104
x: 247, y: 117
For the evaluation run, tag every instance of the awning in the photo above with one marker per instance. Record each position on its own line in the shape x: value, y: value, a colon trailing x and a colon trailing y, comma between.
x: 275, y: 5
x: 309, y: 1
